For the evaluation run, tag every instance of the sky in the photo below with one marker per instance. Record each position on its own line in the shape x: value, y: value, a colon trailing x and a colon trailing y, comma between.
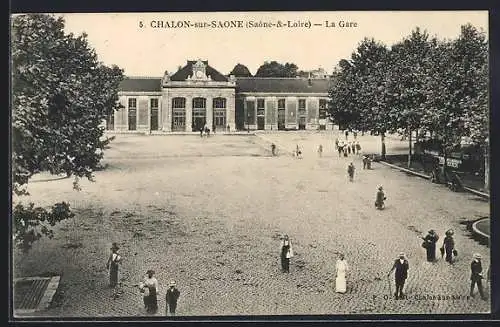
x: 150, y: 50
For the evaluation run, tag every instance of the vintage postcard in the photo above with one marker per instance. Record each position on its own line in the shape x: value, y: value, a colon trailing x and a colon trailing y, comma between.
x: 262, y: 164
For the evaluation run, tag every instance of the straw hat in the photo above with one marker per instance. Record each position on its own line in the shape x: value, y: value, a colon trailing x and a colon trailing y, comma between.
x: 115, y: 246
x: 449, y: 232
x: 401, y: 254
x: 380, y: 187
x: 476, y: 256
x: 150, y: 272
x: 172, y: 283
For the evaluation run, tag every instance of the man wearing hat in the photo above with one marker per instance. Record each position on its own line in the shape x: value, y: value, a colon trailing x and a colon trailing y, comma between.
x: 448, y: 246
x: 476, y: 275
x: 112, y: 265
x: 171, y: 299
x: 401, y: 265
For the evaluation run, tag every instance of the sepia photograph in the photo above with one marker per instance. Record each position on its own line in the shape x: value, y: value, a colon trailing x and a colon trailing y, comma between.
x: 255, y: 164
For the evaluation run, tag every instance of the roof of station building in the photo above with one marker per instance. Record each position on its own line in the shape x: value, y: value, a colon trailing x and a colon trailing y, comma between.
x: 186, y: 71
x: 281, y: 85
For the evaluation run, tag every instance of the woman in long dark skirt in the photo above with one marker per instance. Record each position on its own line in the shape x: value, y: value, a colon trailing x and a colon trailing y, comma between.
x: 150, y: 288
x: 112, y: 265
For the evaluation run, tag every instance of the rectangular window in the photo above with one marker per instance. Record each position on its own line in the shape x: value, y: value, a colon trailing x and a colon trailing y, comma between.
x: 220, y: 118
x: 322, y: 108
x: 154, y: 114
x: 281, y: 104
x: 179, y: 120
x: 260, y: 107
x: 302, y: 106
x: 132, y: 114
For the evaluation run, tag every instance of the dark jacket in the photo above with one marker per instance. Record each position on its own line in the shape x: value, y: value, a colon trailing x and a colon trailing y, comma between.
x: 476, y: 269
x: 172, y: 295
x: 401, y: 269
x: 448, y: 243
x: 380, y: 196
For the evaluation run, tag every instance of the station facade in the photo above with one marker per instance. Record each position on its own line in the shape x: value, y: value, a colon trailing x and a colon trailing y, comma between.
x: 198, y: 95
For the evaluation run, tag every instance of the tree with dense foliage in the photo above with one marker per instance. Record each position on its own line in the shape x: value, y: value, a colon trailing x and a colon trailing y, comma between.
x: 61, y: 95
x: 275, y: 69
x: 410, y: 68
x: 457, y: 96
x: 240, y: 71
x: 358, y: 94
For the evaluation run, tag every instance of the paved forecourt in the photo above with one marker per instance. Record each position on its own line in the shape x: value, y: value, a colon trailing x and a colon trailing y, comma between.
x: 209, y: 212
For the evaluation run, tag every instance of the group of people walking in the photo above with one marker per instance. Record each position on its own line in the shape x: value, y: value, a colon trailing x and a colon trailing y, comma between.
x: 148, y: 287
x: 401, y: 265
x: 347, y: 148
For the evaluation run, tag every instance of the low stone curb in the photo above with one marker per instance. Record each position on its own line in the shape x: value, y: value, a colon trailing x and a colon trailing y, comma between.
x: 409, y: 171
x: 477, y: 231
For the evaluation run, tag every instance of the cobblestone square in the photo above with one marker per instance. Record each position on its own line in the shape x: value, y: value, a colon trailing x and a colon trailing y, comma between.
x: 208, y: 213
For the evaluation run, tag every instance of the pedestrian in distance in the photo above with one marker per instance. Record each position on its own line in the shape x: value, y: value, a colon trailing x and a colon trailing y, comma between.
x: 298, y: 152
x: 228, y: 129
x: 353, y: 147
x: 150, y: 289
x: 349, y: 147
x: 201, y: 132
x: 476, y: 276
x: 401, y: 267
x: 380, y: 198
x: 346, y: 134
x: 336, y: 143
x: 171, y: 297
x: 358, y: 147
x: 341, y: 269
x: 273, y: 149
x: 365, y: 159
x: 286, y: 254
x: 345, y: 149
x: 340, y: 148
x: 112, y: 265
x: 448, y: 247
x: 350, y: 171
x: 320, y: 150
x: 429, y: 244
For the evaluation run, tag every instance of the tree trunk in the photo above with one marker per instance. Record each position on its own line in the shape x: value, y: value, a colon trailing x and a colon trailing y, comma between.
x: 409, y: 151
x: 382, y: 139
x: 445, y: 165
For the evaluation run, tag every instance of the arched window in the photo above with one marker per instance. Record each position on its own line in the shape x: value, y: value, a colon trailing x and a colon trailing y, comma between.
x: 199, y: 113
x: 178, y: 103
x: 219, y: 103
x: 178, y: 114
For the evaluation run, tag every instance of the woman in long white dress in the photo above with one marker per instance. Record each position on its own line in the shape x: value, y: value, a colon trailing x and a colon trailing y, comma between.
x: 341, y: 269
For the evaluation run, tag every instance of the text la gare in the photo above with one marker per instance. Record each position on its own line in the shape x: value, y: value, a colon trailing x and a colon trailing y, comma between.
x: 340, y: 23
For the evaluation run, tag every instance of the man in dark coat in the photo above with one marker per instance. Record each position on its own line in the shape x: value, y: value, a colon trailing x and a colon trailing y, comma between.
x: 379, y: 200
x: 430, y: 241
x: 350, y: 171
x: 476, y: 276
x: 448, y: 246
x: 171, y: 297
x: 401, y: 266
